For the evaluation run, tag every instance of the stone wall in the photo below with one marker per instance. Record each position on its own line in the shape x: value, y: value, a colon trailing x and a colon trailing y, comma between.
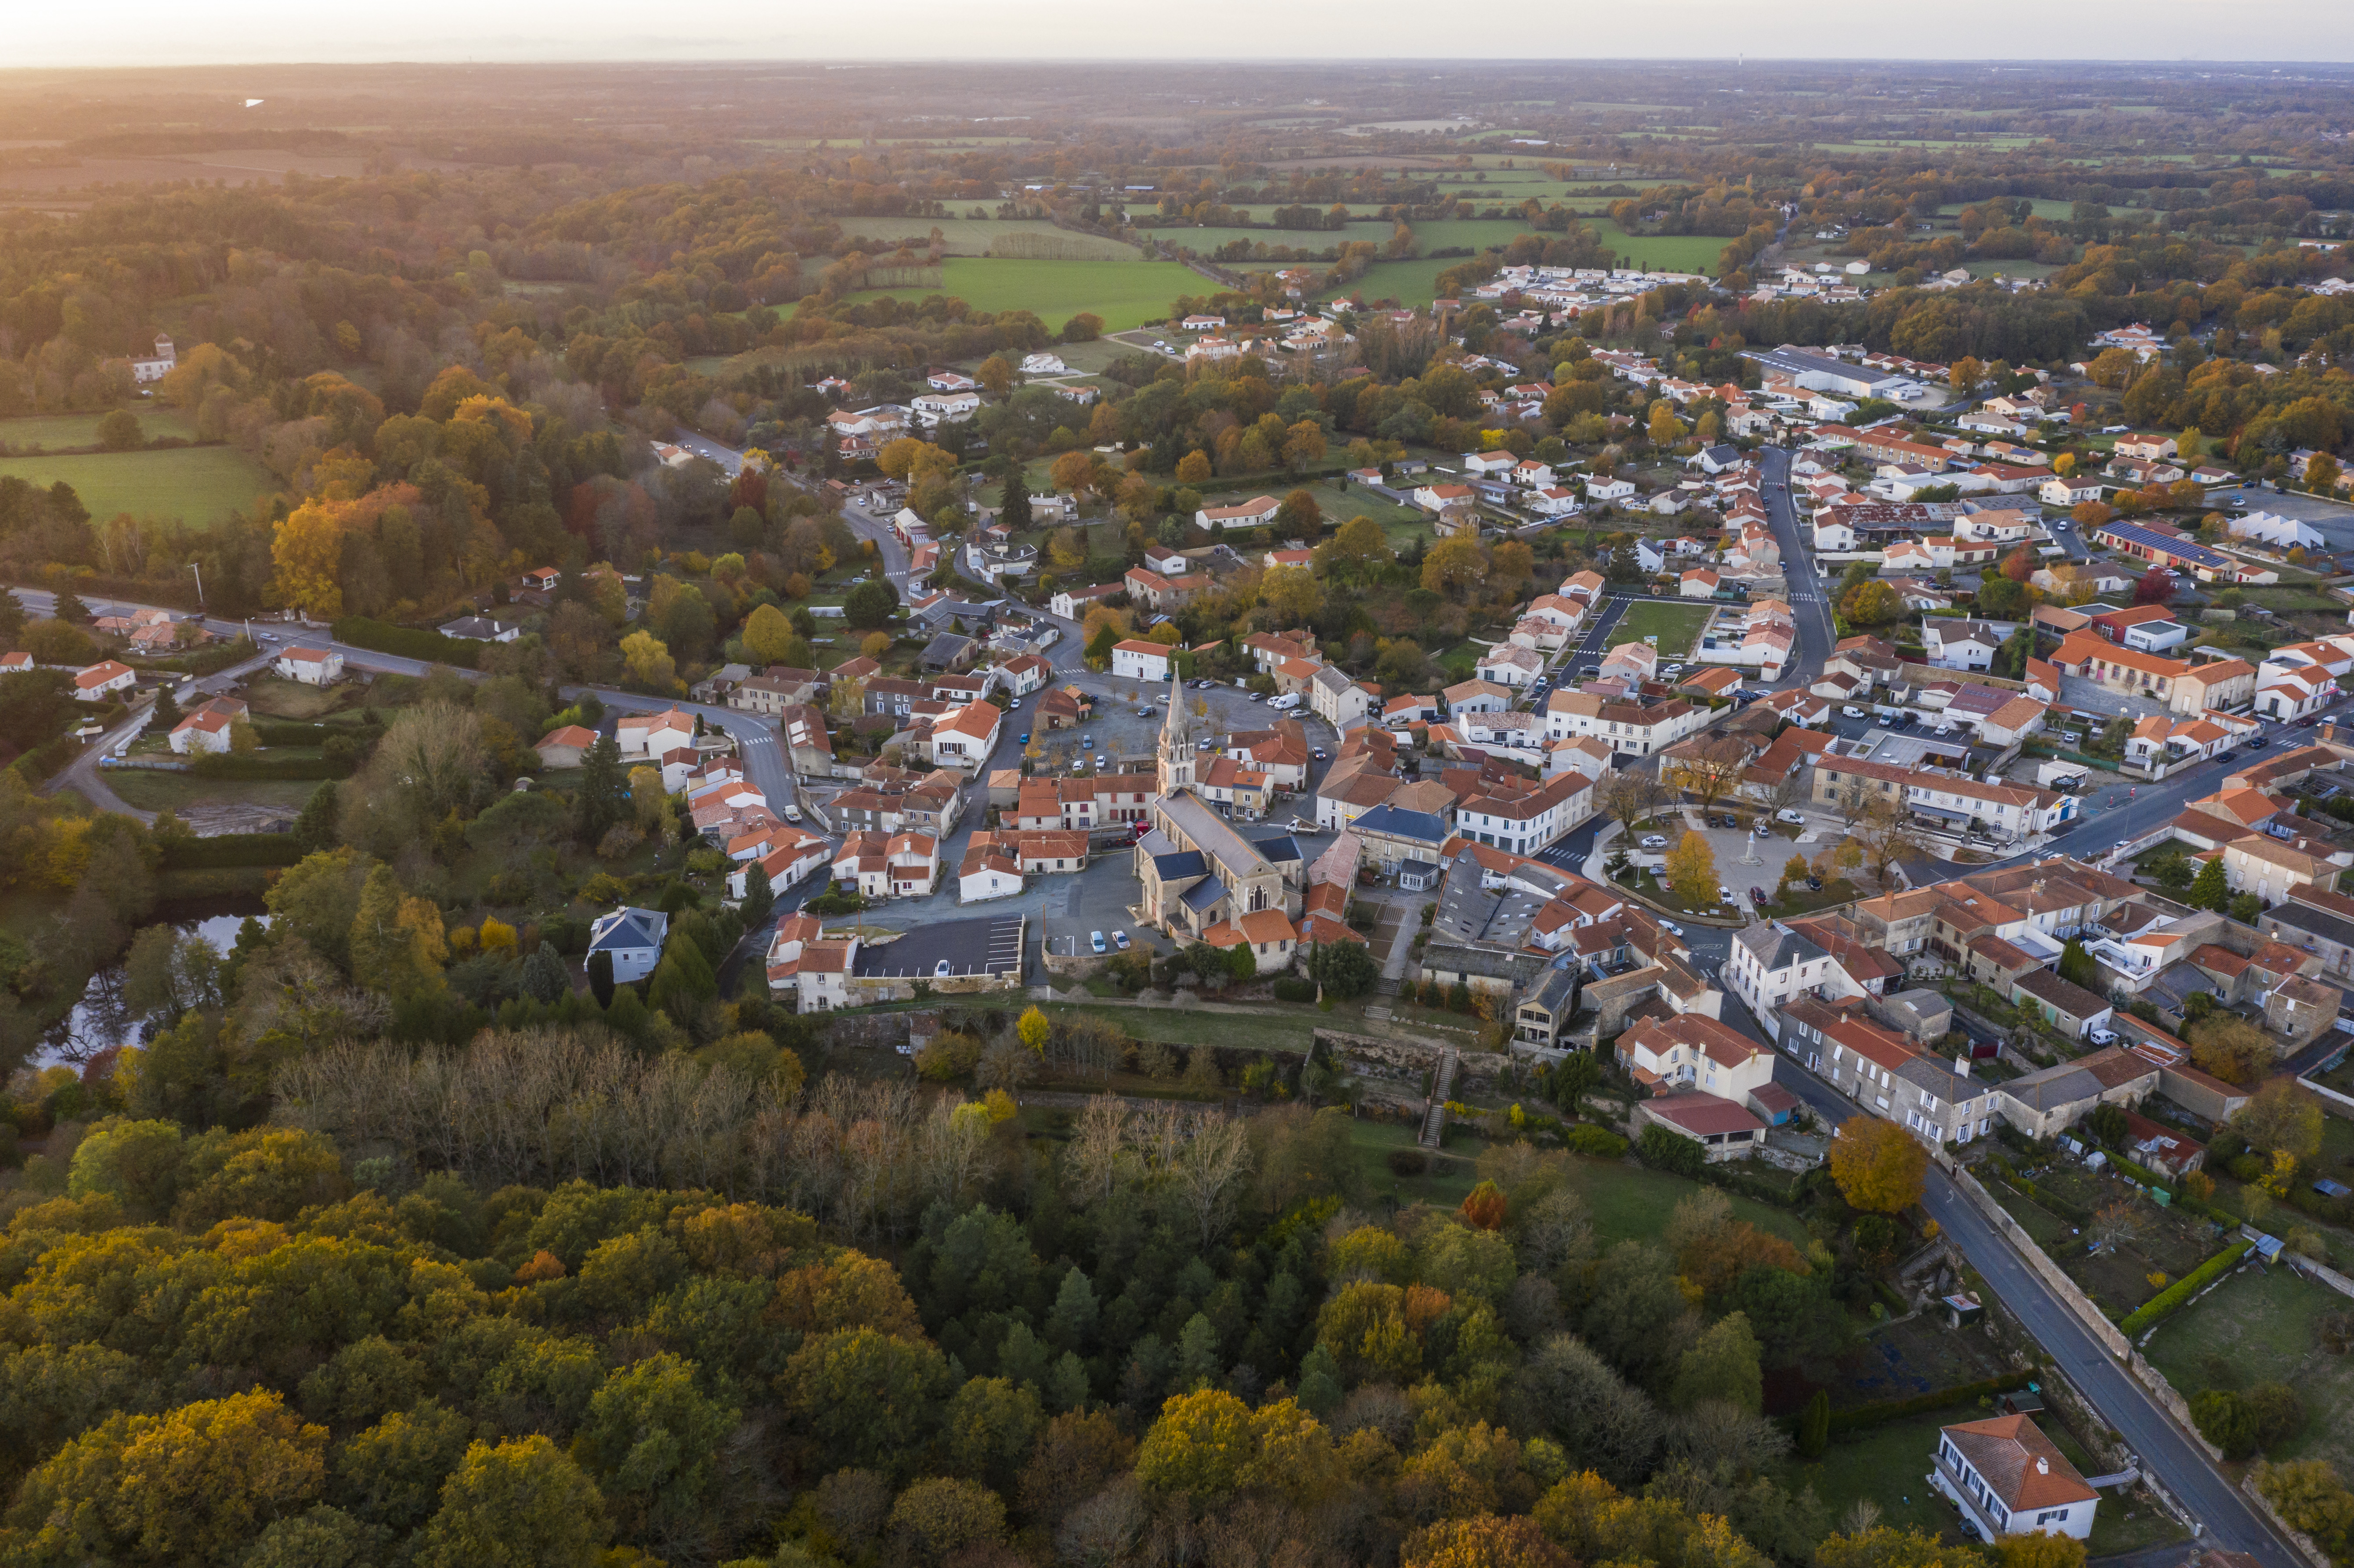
x: 1405, y: 1062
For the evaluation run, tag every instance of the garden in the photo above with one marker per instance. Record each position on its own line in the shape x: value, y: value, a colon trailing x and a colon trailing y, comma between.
x: 2264, y: 1327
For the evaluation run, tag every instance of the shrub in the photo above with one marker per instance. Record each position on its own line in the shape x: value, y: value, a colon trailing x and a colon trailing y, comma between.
x: 230, y: 850
x: 1291, y: 988
x: 1599, y: 1141
x: 1407, y: 1162
x: 407, y: 641
x: 2170, y: 1299
x: 1672, y: 1152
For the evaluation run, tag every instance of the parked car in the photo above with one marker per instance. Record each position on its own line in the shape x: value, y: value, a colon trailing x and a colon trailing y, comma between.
x: 2307, y: 722
x: 1728, y: 822
x: 1796, y: 818
x: 1760, y: 831
x: 1671, y: 928
x: 2257, y: 743
x: 1814, y: 885
x: 1119, y: 941
x: 1850, y: 711
x: 1757, y: 896
x: 1025, y: 738
x: 2101, y: 1037
x: 1095, y: 940
x: 1654, y: 841
x: 1321, y: 754
x: 1724, y: 895
x: 792, y: 813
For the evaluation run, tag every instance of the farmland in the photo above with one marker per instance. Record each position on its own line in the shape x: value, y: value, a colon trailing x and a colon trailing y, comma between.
x: 1124, y: 293
x: 63, y: 432
x: 199, y: 485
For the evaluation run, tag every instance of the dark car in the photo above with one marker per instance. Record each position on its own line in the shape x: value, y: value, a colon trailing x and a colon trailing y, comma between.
x: 1814, y: 885
x: 2257, y: 743
x: 2307, y: 722
x: 1757, y: 896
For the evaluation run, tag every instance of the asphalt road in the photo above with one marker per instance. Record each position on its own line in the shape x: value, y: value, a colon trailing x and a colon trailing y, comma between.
x: 1808, y: 603
x: 2164, y: 1451
x: 764, y: 759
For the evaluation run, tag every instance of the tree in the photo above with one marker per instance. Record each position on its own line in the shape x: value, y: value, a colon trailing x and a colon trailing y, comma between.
x: 1193, y: 468
x: 1723, y: 1365
x: 940, y: 1520
x: 2155, y: 586
x: 870, y: 604
x: 1484, y: 1541
x: 1299, y: 516
x: 1483, y: 1207
x: 770, y: 637
x: 2208, y: 889
x: 2076, y: 965
x: 649, y: 665
x: 119, y: 432
x: 1293, y: 593
x: 2041, y: 1549
x: 759, y: 900
x: 1303, y: 444
x: 1343, y: 968
x: 995, y: 375
x: 1878, y: 1165
x: 193, y: 1486
x: 1360, y: 546
x: 2321, y: 474
x: 1815, y: 1425
x: 1871, y: 603
x: 1691, y: 871
x: 518, y: 1504
x: 1455, y: 566
x: 2280, y: 1118
x: 600, y: 977
x: 1576, y: 1076
x: 2091, y: 514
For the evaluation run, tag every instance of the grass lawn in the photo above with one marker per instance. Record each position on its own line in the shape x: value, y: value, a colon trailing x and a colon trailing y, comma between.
x: 1124, y: 293
x: 1889, y: 1466
x: 271, y: 697
x: 2256, y: 1329
x: 1446, y: 1182
x: 1632, y: 1202
x: 59, y: 432
x: 1675, y: 625
x: 973, y: 236
x: 199, y: 485
x: 151, y: 790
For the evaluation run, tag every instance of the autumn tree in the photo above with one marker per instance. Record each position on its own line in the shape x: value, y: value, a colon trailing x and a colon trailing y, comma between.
x: 1293, y: 593
x: 1454, y: 566
x: 2155, y: 586
x: 650, y: 667
x: 2280, y: 1118
x: 1691, y: 871
x: 1193, y: 468
x: 1878, y: 1165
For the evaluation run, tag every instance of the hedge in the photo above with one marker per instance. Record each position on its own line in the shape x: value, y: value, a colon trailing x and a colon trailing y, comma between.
x: 230, y: 850
x: 43, y: 761
x: 283, y: 732
x: 405, y: 642
x: 2170, y: 1299
x: 227, y: 765
x: 1864, y: 1416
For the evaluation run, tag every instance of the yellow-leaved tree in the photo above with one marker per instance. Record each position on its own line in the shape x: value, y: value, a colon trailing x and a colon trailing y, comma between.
x: 1878, y: 1165
x: 1691, y: 871
x: 648, y: 663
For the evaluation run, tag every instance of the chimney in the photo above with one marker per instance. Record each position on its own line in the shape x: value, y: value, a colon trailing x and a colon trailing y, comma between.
x: 1962, y: 1065
x: 2042, y: 1466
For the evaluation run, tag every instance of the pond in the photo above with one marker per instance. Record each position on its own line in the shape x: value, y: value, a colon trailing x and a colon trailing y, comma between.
x: 101, y: 1019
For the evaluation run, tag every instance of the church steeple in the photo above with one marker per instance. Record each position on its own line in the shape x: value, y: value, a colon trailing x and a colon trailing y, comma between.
x: 1176, y: 761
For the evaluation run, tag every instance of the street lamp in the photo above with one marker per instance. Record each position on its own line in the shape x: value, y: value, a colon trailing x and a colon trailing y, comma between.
x: 197, y: 567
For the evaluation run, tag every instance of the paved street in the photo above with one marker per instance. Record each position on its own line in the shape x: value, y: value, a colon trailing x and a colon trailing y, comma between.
x: 2164, y: 1449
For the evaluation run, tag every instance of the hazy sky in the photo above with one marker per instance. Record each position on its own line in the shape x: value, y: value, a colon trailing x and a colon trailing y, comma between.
x: 180, y: 32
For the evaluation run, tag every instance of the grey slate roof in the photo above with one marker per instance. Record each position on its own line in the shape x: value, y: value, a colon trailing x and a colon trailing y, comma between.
x: 1205, y: 893
x: 1400, y: 823
x: 1776, y: 949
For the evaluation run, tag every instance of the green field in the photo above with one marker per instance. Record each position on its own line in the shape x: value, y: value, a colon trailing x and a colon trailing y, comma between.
x: 1124, y: 293
x: 1675, y: 625
x: 59, y: 432
x: 2258, y: 1328
x: 974, y: 236
x: 199, y: 485
x: 151, y: 789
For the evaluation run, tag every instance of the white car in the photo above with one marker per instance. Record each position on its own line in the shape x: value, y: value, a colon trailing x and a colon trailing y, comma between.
x: 1655, y: 841
x: 1671, y: 928
x: 1850, y: 712
x: 1724, y: 896
x: 1095, y: 940
x: 2103, y: 1037
x: 792, y: 813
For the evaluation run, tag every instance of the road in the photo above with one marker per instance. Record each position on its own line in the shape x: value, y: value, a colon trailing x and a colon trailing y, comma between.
x: 756, y: 737
x: 2164, y: 1450
x: 1809, y: 605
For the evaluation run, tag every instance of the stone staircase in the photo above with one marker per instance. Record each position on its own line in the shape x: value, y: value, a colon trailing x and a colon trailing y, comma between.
x: 1433, y: 1123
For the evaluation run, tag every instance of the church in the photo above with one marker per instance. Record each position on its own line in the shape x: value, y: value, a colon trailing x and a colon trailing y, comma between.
x: 1206, y: 879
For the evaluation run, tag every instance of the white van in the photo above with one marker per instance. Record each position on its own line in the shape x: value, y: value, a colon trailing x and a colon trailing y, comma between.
x: 1286, y: 702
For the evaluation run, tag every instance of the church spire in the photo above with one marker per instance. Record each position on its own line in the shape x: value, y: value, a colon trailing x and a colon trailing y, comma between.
x: 1176, y: 760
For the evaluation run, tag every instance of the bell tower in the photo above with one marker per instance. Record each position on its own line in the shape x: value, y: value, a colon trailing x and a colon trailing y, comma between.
x: 1175, y: 767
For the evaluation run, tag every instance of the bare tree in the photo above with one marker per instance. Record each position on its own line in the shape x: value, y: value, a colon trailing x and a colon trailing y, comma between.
x: 1210, y: 1166
x: 1629, y: 794
x: 1886, y: 835
x: 1093, y: 1160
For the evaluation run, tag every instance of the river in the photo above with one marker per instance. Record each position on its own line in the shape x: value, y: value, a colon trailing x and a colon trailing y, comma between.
x: 100, y: 1019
